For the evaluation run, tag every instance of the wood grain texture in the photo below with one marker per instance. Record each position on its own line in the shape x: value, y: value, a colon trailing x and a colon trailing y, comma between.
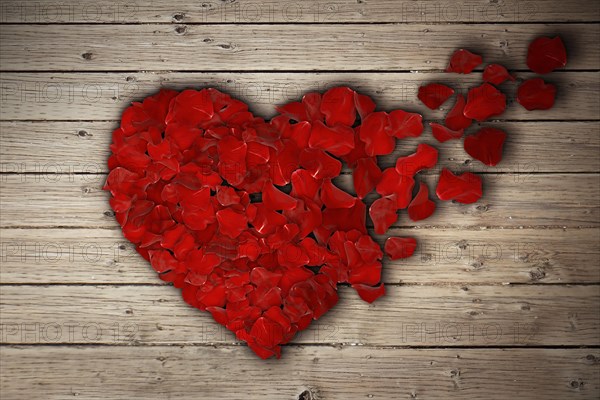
x: 330, y: 373
x: 307, y: 11
x: 406, y: 316
x: 50, y: 200
x: 83, y: 147
x: 489, y: 256
x: 104, y: 96
x: 280, y: 47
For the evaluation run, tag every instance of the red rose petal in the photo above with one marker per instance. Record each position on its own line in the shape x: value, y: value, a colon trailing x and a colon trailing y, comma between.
x: 405, y: 124
x: 464, y: 188
x: 483, y: 102
x: 546, y: 54
x: 231, y: 223
x: 364, y: 105
x: 421, y: 207
x: 434, y: 95
x: 426, y: 156
x: 338, y: 106
x: 496, y: 74
x: 383, y: 213
x: 375, y: 132
x: 369, y: 293
x: 320, y: 164
x: 455, y: 119
x: 443, y: 134
x: 535, y: 94
x: 463, y: 62
x: 275, y: 199
x: 401, y: 186
x: 366, y: 176
x: 338, y: 140
x: 486, y: 145
x: 398, y: 247
x: 335, y: 198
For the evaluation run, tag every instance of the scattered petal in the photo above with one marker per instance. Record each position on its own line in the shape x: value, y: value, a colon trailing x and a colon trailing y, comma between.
x: 496, y: 74
x: 434, y: 95
x: 483, y: 102
x: 535, y: 94
x: 464, y: 188
x: 421, y: 207
x: 486, y: 145
x: 400, y: 247
x: 463, y: 62
x: 546, y: 54
x: 443, y: 134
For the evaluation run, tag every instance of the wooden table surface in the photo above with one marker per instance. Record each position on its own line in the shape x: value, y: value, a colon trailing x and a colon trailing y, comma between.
x: 501, y: 300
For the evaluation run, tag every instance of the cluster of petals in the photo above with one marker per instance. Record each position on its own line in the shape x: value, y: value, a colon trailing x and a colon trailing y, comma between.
x: 244, y: 215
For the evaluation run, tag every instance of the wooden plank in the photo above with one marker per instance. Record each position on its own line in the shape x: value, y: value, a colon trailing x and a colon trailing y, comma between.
x: 58, y: 372
x: 280, y: 47
x: 407, y: 315
x: 51, y: 200
x: 308, y: 11
x: 443, y: 256
x: 74, y: 147
x: 104, y: 96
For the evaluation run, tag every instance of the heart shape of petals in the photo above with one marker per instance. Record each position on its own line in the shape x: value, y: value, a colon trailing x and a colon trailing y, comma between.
x: 244, y: 216
x: 248, y: 217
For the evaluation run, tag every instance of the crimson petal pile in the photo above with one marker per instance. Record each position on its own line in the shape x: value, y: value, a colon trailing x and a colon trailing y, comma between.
x: 245, y: 216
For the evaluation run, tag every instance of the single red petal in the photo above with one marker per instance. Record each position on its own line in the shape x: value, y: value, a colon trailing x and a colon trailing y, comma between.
x: 496, y: 74
x: 304, y: 185
x: 190, y: 107
x: 294, y: 110
x: 375, y: 132
x: 392, y: 183
x: 443, y: 134
x: 455, y: 119
x: 369, y: 293
x: 465, y: 188
x: 463, y: 62
x: 231, y: 223
x: 383, y: 213
x: 400, y: 247
x: 486, y: 145
x: 338, y: 140
x: 366, y: 176
x: 346, y: 219
x: 421, y: 206
x: 546, y: 54
x: 312, y: 104
x: 434, y: 95
x: 426, y: 156
x: 226, y: 196
x: 364, y: 104
x: 535, y: 94
x: 338, y: 106
x: 320, y: 164
x: 275, y: 199
x: 333, y: 197
x: 406, y: 124
x: 483, y: 102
